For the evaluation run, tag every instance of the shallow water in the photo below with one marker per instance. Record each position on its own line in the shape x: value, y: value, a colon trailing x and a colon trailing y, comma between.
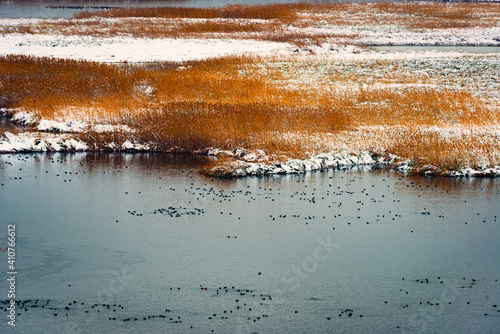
x: 147, y: 233
x: 469, y: 49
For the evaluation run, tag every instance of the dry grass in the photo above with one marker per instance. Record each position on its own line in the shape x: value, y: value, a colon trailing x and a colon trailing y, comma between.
x: 45, y: 84
x: 146, y: 28
x: 284, y: 13
x: 48, y: 85
x: 230, y: 102
x: 179, y: 28
x: 274, y: 22
x: 196, y: 126
x: 100, y: 141
x: 414, y: 16
x: 420, y: 107
x: 448, y: 152
x: 410, y: 15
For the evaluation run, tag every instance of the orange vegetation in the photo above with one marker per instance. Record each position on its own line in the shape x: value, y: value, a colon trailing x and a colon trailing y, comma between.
x: 275, y: 22
x: 283, y: 12
x: 232, y: 102
x: 448, y: 152
x: 429, y: 15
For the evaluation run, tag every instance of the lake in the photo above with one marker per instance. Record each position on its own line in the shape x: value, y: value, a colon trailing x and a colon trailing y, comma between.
x: 142, y: 243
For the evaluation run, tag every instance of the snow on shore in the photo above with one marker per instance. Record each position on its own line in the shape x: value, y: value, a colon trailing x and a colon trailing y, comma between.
x: 36, y: 142
x: 245, y: 167
x: 46, y: 125
x: 254, y: 163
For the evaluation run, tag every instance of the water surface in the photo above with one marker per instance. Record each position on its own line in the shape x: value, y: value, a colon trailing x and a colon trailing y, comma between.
x: 147, y: 234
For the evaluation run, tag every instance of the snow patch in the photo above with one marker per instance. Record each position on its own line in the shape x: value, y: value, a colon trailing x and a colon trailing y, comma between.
x: 245, y: 167
x: 54, y: 126
x: 24, y: 118
x: 30, y: 142
x: 449, y: 37
x: 134, y: 50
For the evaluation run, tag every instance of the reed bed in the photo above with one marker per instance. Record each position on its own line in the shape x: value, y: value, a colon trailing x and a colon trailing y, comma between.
x: 428, y: 148
x: 410, y: 15
x: 177, y: 28
x: 274, y: 22
x: 146, y: 28
x: 195, y: 126
x: 231, y: 102
x: 280, y: 12
x: 420, y: 107
x: 45, y: 84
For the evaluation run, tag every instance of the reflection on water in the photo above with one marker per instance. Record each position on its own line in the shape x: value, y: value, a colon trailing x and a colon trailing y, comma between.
x: 370, y: 251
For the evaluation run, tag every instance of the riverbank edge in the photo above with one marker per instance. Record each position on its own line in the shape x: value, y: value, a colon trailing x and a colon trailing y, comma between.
x: 240, y: 162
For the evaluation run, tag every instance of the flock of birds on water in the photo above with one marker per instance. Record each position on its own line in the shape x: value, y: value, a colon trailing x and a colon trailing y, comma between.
x: 249, y: 304
x: 245, y: 304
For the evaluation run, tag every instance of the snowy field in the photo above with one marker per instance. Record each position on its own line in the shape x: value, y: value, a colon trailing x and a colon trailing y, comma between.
x: 124, y: 48
x: 132, y: 50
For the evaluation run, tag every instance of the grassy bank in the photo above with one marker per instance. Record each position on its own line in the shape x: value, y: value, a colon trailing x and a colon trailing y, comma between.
x: 217, y: 103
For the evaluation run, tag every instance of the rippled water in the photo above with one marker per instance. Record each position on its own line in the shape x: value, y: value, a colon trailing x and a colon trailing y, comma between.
x: 147, y: 233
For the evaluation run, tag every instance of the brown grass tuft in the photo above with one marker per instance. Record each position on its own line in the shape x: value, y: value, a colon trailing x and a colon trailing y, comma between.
x: 198, y: 125
x: 467, y: 149
x: 45, y: 84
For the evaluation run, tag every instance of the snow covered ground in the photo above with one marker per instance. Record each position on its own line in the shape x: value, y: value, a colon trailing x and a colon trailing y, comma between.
x: 133, y: 50
x: 246, y: 166
x: 125, y: 48
x: 448, y: 37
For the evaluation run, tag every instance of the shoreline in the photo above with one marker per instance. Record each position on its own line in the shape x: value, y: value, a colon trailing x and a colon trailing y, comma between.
x: 243, y: 163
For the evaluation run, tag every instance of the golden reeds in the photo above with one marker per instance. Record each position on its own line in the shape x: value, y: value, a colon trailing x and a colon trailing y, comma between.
x: 198, y: 125
x: 420, y: 15
x: 410, y: 15
x: 264, y: 12
x: 449, y: 152
x: 45, y: 84
x: 266, y: 22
